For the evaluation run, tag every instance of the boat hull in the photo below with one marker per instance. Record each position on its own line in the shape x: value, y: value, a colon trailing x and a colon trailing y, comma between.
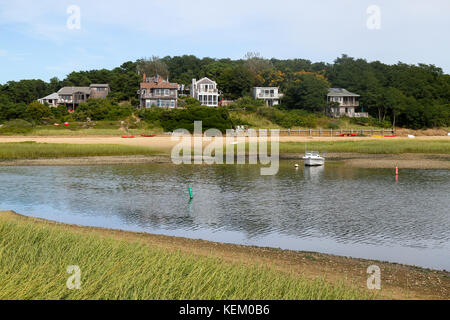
x: 314, y: 162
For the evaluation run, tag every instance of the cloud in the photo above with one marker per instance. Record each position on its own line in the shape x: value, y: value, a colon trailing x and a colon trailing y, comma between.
x: 411, y: 30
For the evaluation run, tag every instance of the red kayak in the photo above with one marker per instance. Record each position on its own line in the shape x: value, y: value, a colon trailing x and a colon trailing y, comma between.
x: 131, y: 137
x: 347, y: 135
x: 390, y: 136
x: 148, y: 135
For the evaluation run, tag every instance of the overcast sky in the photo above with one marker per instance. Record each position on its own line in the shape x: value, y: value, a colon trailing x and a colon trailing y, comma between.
x: 36, y: 41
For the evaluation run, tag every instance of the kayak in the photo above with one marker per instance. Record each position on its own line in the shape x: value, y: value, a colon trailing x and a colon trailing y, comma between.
x: 148, y: 135
x: 131, y: 137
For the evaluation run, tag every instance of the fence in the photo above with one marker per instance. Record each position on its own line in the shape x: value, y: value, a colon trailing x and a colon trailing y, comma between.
x: 334, y: 133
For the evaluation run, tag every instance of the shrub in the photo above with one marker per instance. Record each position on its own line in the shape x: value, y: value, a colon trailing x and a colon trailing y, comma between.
x: 248, y: 103
x: 37, y: 111
x: 172, y: 119
x: 289, y: 119
x: 102, y: 109
x: 333, y: 125
x: 17, y: 126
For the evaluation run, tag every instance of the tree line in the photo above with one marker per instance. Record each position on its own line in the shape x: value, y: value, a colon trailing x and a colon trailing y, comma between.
x: 414, y: 96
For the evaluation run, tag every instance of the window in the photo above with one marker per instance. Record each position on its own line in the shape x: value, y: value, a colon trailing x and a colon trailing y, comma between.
x: 166, y: 92
x: 200, y: 98
x: 210, y: 99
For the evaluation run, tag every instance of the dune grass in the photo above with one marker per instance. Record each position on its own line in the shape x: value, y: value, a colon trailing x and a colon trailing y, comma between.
x: 371, y: 146
x: 33, y: 150
x: 34, y: 257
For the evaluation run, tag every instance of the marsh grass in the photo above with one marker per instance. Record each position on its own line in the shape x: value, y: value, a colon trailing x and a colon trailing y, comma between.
x: 371, y: 146
x: 33, y: 150
x: 34, y: 257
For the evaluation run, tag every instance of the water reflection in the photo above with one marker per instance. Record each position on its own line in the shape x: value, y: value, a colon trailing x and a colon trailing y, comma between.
x: 334, y: 209
x: 313, y: 173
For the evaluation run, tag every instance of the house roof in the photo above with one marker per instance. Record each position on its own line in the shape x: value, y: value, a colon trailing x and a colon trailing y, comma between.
x: 158, y: 83
x: 101, y: 85
x: 52, y: 96
x: 339, y: 92
x: 72, y: 90
x: 205, y: 80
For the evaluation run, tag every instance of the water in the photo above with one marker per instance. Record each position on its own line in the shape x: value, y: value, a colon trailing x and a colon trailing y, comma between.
x: 345, y: 211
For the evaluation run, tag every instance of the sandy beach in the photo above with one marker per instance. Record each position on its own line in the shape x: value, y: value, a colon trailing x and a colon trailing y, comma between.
x: 165, y: 142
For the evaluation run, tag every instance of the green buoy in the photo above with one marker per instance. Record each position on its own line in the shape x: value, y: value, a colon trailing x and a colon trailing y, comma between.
x: 191, y: 194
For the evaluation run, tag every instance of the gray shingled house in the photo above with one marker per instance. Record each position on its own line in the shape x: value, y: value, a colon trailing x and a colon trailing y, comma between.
x: 345, y: 104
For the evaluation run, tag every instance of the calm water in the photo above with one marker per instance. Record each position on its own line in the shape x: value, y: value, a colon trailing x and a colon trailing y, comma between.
x: 352, y: 212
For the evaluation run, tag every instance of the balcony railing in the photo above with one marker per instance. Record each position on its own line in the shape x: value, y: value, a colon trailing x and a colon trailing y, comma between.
x: 158, y: 96
x: 350, y: 104
x: 270, y: 95
x: 208, y: 91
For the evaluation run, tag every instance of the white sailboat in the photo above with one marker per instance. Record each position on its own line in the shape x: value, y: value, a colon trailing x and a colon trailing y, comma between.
x: 313, y: 158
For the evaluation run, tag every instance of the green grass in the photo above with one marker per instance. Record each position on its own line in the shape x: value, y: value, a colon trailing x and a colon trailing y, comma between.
x: 100, y: 128
x: 32, y: 150
x: 371, y: 146
x: 34, y: 258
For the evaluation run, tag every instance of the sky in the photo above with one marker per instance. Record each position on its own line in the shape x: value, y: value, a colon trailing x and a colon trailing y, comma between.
x: 45, y: 39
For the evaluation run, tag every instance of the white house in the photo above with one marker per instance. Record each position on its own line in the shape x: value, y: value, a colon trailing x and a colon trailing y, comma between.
x: 270, y: 95
x: 51, y: 100
x: 347, y: 102
x: 205, y: 90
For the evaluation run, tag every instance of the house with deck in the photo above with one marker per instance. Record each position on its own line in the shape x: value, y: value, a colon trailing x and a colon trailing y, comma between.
x: 51, y: 100
x: 270, y: 95
x: 342, y: 102
x: 157, y: 92
x: 205, y: 90
x: 73, y: 96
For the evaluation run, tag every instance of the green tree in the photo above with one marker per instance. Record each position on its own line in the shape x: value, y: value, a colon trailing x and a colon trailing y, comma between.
x: 236, y: 82
x: 37, y: 111
x: 153, y: 66
x: 308, y: 92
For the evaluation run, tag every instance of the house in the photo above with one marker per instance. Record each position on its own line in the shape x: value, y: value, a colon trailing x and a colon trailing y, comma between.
x: 270, y: 95
x: 346, y: 103
x: 157, y: 92
x: 73, y: 96
x: 99, y: 91
x: 205, y: 90
x: 51, y: 100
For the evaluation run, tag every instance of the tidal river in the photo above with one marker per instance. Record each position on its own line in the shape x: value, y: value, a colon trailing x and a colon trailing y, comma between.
x: 362, y: 213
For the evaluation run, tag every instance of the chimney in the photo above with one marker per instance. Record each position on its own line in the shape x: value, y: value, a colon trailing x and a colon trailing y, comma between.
x: 144, y: 77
